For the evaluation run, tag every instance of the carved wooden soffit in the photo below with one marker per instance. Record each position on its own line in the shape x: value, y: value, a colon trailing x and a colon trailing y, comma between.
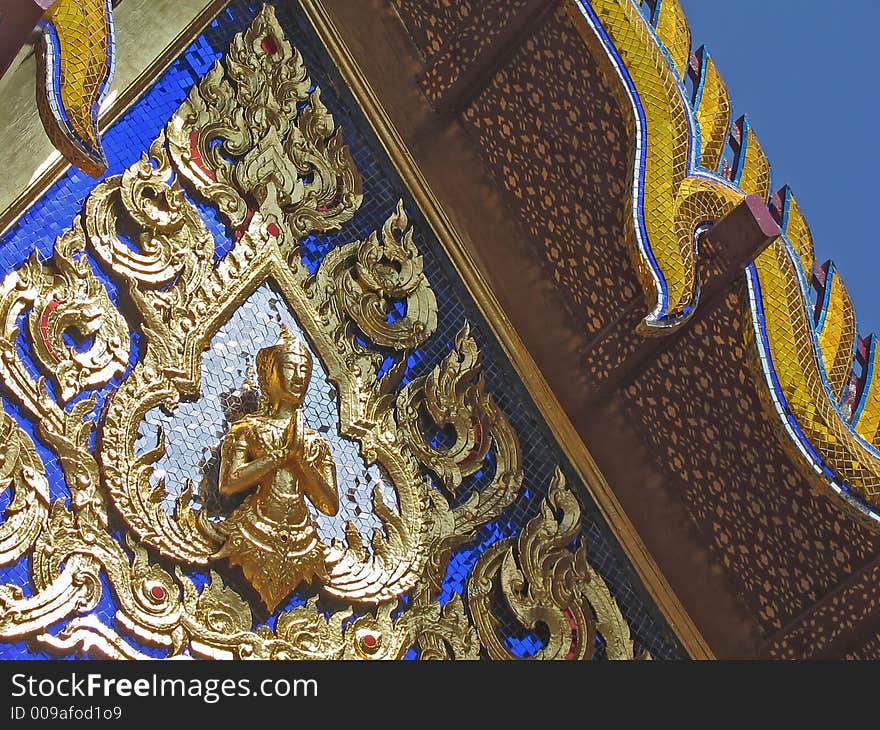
x: 460, y: 69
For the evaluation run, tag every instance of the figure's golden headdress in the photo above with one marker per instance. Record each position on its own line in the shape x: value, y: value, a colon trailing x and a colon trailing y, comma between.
x: 288, y: 348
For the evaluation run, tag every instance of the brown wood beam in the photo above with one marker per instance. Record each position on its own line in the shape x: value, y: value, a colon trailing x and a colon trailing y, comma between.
x: 739, y: 238
x: 450, y: 88
x: 842, y: 619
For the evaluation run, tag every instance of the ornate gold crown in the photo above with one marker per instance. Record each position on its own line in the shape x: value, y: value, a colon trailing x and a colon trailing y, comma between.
x: 290, y: 347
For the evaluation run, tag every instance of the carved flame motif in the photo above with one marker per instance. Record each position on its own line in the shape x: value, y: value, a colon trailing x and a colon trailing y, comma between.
x: 386, y: 270
x: 451, y: 395
x: 78, y: 337
x: 255, y: 134
x: 254, y: 140
x: 544, y: 582
x: 22, y: 472
x: 172, y: 243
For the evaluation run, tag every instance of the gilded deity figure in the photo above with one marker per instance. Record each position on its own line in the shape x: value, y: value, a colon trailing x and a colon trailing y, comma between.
x: 271, y: 535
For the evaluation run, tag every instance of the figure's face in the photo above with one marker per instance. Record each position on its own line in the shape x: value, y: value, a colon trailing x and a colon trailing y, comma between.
x: 284, y: 371
x: 293, y: 376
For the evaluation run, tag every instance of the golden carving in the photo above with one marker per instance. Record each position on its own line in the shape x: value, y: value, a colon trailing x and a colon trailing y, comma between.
x: 272, y: 536
x: 60, y: 297
x: 367, y: 293
x: 172, y: 240
x: 21, y: 471
x: 366, y: 277
x: 543, y: 581
x: 71, y: 302
x: 452, y: 395
x: 259, y: 107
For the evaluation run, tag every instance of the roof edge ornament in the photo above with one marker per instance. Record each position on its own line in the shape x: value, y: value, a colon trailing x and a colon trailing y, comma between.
x: 692, y: 167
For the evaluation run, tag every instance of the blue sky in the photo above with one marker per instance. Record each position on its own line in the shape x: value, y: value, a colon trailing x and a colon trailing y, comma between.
x: 806, y: 74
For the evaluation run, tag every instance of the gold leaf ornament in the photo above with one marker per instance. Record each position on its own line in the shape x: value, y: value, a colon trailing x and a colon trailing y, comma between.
x: 255, y: 128
x: 544, y: 582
